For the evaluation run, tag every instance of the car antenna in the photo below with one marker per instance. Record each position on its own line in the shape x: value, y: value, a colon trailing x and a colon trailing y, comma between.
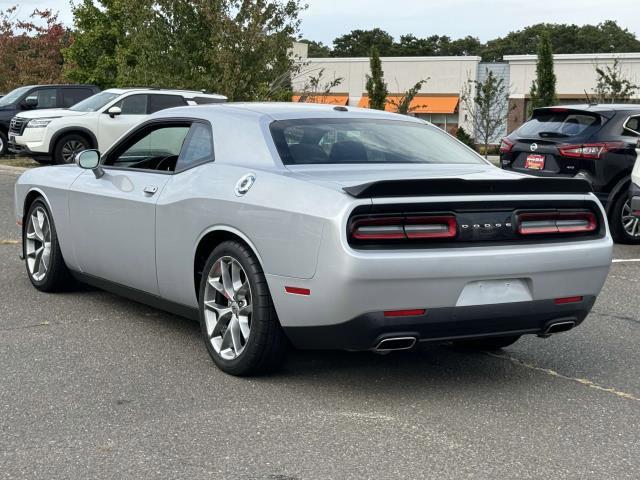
x: 589, y: 98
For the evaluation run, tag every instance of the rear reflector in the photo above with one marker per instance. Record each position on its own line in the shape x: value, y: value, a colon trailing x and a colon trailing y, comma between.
x: 404, y: 228
x: 405, y: 313
x: 538, y: 223
x: 565, y: 300
x: 297, y: 290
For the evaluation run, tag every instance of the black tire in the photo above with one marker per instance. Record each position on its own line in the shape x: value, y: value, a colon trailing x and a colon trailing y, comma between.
x: 490, y: 344
x: 74, y: 141
x: 266, y: 346
x: 57, y: 276
x: 618, y: 232
x: 4, y: 143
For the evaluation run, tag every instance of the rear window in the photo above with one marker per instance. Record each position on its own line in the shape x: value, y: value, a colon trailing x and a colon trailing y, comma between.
x: 561, y: 124
x: 336, y: 141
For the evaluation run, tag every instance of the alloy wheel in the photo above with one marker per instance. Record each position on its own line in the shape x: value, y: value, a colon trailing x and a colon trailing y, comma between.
x: 38, y: 244
x: 1, y: 145
x: 70, y: 149
x: 228, y: 307
x: 630, y: 222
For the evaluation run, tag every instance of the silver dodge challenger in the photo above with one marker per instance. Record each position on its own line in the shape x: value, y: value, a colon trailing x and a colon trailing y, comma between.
x: 318, y: 226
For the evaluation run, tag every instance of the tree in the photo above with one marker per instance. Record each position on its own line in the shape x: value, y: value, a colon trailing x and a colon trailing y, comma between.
x: 543, y: 88
x: 358, y: 43
x: 464, y: 137
x: 376, y: 86
x: 317, y: 89
x: 317, y: 49
x: 239, y: 48
x: 606, y: 37
x: 487, y: 104
x: 30, y: 48
x: 403, y: 105
x: 612, y: 86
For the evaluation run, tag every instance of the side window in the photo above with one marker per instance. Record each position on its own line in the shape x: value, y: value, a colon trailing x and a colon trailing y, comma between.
x: 43, y: 98
x: 71, y: 96
x: 632, y: 126
x: 198, y: 147
x: 153, y: 148
x: 133, y: 105
x: 160, y: 102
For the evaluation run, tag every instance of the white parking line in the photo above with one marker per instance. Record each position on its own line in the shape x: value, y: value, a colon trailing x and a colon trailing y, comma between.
x: 625, y: 260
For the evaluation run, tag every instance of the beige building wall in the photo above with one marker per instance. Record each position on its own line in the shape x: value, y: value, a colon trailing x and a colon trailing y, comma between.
x: 446, y: 75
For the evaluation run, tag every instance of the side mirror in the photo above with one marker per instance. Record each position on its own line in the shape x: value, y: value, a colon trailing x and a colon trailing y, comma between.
x: 30, y: 103
x: 113, y: 111
x: 90, y: 160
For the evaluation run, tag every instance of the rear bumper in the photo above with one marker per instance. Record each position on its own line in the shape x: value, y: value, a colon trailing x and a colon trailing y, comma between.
x: 441, y: 324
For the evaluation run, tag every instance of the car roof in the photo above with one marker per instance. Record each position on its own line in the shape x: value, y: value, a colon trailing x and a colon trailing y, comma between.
x: 284, y: 111
x: 186, y: 93
x: 59, y: 85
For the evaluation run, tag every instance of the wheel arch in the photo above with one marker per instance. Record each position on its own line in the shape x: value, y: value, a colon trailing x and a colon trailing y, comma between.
x: 85, y: 132
x: 209, y: 240
x: 620, y: 186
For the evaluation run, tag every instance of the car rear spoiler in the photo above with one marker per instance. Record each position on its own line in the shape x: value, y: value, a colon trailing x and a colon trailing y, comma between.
x: 459, y: 186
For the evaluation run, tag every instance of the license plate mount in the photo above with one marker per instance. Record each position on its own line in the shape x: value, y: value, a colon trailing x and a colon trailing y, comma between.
x: 534, y: 162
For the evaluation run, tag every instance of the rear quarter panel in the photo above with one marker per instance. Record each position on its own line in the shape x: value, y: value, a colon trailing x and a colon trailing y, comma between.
x: 281, y: 218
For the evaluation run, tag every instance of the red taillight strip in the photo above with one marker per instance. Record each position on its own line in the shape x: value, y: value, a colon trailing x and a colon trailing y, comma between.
x: 588, y: 150
x: 405, y: 313
x: 444, y: 226
x: 505, y: 145
x: 565, y: 300
x: 537, y: 223
x: 405, y: 228
x: 297, y: 290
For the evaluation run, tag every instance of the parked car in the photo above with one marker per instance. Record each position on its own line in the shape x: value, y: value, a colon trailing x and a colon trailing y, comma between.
x: 36, y: 97
x: 594, y: 142
x: 634, y: 194
x: 97, y: 122
x: 327, y: 227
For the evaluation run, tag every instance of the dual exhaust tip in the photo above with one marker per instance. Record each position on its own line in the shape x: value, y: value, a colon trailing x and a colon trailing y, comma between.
x: 393, y: 344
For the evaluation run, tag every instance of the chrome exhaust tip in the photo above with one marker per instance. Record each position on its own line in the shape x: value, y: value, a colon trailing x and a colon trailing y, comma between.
x: 395, y: 343
x: 558, y: 327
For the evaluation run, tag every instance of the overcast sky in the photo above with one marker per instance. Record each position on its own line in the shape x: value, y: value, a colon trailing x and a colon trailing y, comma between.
x: 326, y: 19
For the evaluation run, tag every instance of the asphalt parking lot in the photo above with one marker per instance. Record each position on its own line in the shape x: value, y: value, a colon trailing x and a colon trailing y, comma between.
x: 95, y: 386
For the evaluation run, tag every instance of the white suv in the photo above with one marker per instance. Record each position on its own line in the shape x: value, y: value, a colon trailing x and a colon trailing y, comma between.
x: 59, y: 134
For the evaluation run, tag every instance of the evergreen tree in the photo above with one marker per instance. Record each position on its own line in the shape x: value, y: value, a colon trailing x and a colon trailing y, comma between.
x: 543, y: 88
x: 376, y: 86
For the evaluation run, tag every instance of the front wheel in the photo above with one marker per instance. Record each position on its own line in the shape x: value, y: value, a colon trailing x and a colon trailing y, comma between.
x: 490, y: 344
x: 625, y: 227
x: 45, y: 265
x: 237, y: 318
x: 68, y: 147
x: 4, y: 144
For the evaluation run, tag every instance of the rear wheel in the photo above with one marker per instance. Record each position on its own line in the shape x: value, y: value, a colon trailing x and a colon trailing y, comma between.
x: 45, y: 265
x: 494, y: 343
x: 68, y: 147
x: 625, y: 227
x: 238, y: 322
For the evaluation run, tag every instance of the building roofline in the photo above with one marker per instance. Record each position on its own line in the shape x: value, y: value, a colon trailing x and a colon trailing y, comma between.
x: 575, y: 56
x: 390, y: 59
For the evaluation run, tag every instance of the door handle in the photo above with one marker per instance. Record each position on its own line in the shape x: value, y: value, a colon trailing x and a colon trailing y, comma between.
x: 150, y: 190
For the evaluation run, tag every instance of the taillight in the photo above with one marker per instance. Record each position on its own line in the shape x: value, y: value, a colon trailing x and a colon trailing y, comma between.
x: 539, y: 223
x: 505, y: 145
x: 404, y: 228
x: 589, y: 150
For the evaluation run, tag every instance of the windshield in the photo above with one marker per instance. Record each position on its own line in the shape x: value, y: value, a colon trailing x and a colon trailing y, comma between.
x: 13, y: 95
x: 95, y: 103
x: 351, y: 140
x: 560, y: 124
